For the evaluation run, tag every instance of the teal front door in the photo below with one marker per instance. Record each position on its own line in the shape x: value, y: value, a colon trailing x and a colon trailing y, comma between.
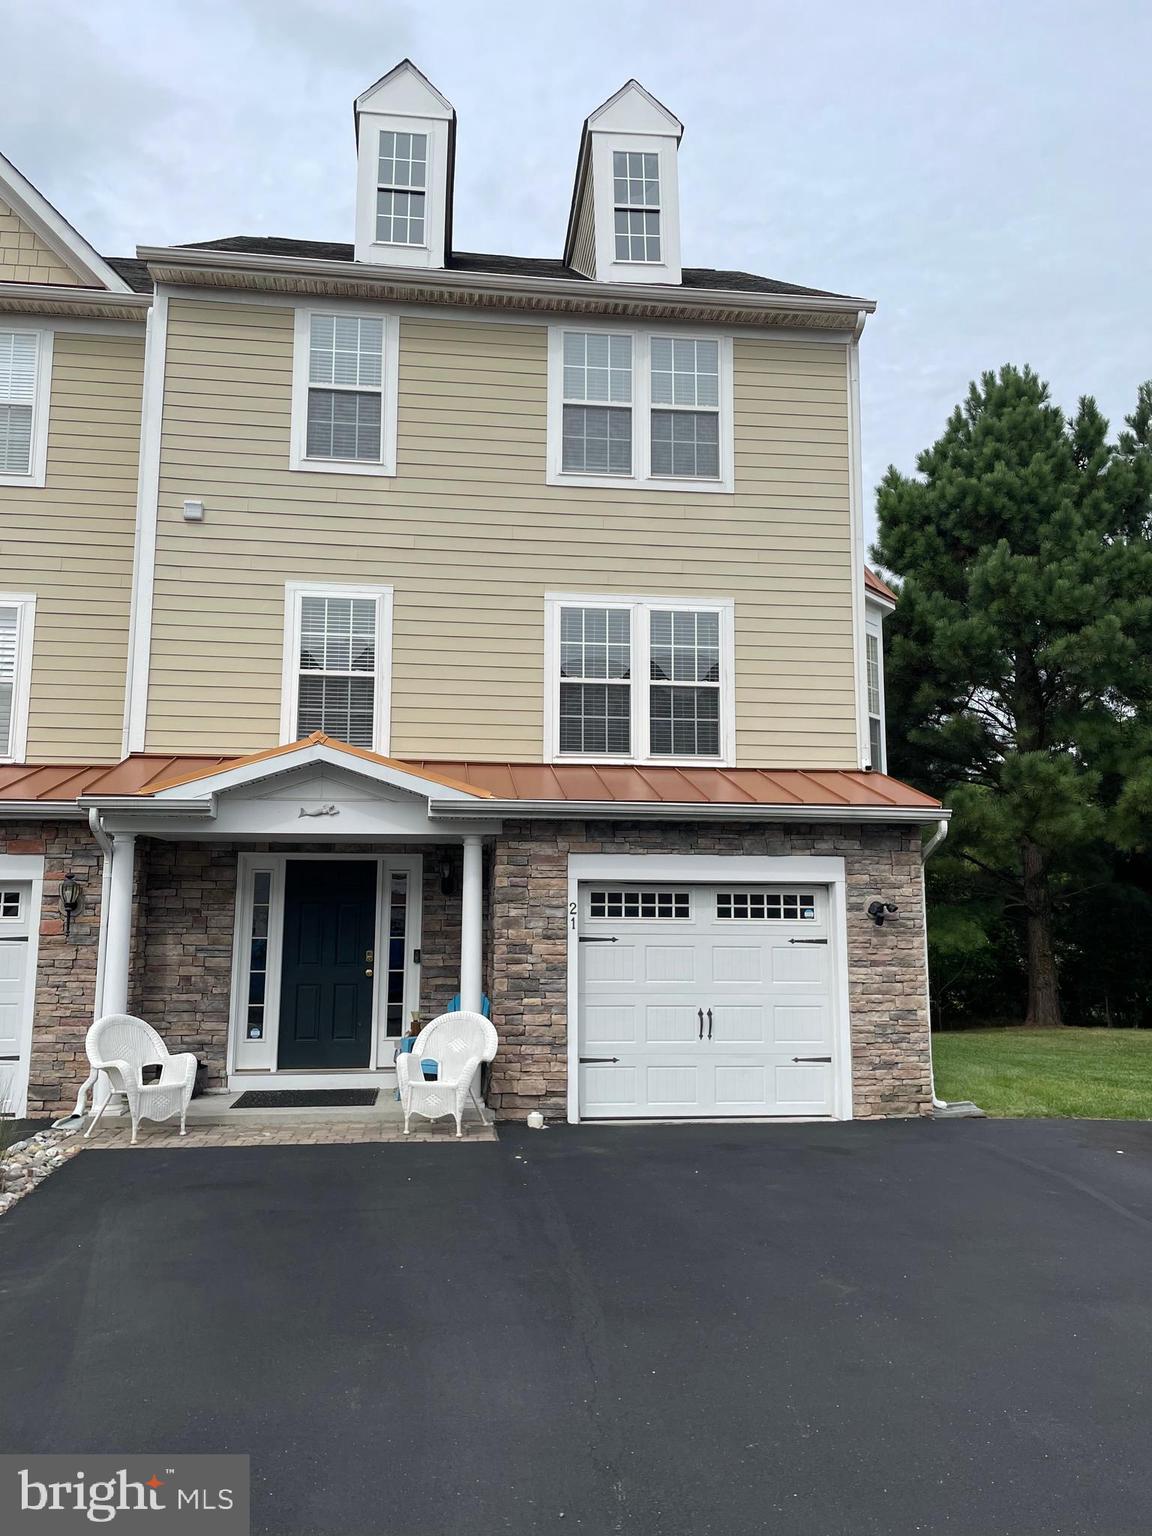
x: 328, y: 961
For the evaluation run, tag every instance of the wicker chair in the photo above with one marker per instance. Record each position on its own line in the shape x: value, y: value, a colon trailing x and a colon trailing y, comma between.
x: 458, y: 1043
x: 120, y: 1047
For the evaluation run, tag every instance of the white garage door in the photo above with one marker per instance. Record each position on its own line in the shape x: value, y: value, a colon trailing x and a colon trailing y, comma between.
x: 15, y: 918
x: 705, y: 1001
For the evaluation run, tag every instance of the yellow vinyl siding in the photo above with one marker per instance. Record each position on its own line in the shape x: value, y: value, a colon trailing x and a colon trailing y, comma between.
x: 70, y: 543
x: 24, y: 258
x: 471, y: 537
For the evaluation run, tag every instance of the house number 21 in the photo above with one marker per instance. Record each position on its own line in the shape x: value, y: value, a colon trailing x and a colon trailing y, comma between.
x: 572, y: 914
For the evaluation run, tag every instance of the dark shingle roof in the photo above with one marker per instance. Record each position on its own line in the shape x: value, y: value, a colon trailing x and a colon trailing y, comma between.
x: 465, y: 261
x: 135, y: 273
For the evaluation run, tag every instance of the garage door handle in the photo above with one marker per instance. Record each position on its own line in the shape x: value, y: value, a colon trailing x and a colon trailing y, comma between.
x: 584, y: 1060
x: 807, y: 941
x: 811, y: 1058
x: 590, y: 939
x: 709, y: 1023
x: 700, y: 1013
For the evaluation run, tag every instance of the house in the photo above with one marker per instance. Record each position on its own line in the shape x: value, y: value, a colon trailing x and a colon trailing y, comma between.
x: 382, y: 622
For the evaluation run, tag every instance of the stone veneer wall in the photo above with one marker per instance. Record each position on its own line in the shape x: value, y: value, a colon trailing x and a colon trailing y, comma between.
x: 182, y: 981
x: 887, y: 982
x: 66, y: 973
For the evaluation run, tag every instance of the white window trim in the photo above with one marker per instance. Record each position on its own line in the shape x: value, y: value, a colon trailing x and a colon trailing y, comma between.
x: 431, y: 253
x: 608, y: 267
x: 294, y: 592
x: 641, y: 476
x: 25, y: 605
x: 298, y: 451
x: 874, y: 627
x: 640, y: 724
x: 38, y: 462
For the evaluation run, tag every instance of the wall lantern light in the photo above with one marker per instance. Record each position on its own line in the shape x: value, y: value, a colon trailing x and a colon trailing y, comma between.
x: 71, y: 896
x: 879, y: 910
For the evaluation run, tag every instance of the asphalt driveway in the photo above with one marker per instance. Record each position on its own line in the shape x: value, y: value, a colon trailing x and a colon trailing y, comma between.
x: 817, y: 1329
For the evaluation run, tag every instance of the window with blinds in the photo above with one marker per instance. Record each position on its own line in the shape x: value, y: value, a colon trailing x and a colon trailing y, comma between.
x: 19, y: 363
x: 336, y: 685
x: 345, y: 388
x: 16, y: 617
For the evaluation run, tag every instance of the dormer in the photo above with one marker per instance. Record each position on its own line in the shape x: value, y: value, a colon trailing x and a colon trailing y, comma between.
x: 624, y: 226
x: 405, y: 149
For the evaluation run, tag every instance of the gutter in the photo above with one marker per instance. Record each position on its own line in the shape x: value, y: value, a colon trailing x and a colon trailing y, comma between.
x: 56, y: 810
x: 928, y: 850
x: 149, y: 804
x: 174, y: 261
x: 97, y: 828
x: 56, y: 299
x: 691, y: 810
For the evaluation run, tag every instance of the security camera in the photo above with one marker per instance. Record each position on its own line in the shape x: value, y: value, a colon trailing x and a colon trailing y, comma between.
x: 878, y: 910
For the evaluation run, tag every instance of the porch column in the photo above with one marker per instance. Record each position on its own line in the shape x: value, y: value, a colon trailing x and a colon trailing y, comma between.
x: 118, y: 932
x: 472, y: 925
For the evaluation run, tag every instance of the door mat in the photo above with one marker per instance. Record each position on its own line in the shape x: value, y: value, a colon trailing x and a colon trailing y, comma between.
x: 308, y: 1098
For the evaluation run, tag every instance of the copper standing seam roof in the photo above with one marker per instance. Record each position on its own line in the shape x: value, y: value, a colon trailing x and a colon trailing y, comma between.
x: 873, y: 583
x: 60, y: 785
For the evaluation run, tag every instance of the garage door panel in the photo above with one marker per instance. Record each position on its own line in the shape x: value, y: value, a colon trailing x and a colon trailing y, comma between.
x: 739, y: 1024
x: 666, y: 1024
x: 802, y: 1089
x: 612, y: 1089
x: 673, y: 1088
x: 741, y: 1089
x: 610, y: 1024
x: 741, y: 963
x: 799, y: 963
x: 800, y: 1024
x: 610, y: 962
x: 667, y: 962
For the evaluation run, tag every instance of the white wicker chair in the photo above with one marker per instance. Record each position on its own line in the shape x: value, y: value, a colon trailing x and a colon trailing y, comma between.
x: 457, y: 1043
x: 120, y: 1047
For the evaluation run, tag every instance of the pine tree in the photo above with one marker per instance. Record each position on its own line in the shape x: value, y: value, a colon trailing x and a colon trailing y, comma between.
x: 1020, y: 662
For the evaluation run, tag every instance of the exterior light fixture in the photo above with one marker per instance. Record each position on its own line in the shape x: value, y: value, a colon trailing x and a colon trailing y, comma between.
x: 879, y: 910
x: 71, y: 896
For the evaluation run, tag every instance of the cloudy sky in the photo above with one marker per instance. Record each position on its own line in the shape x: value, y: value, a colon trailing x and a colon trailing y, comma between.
x: 982, y: 169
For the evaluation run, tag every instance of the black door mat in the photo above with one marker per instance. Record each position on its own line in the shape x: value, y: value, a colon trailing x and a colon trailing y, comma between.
x: 308, y: 1098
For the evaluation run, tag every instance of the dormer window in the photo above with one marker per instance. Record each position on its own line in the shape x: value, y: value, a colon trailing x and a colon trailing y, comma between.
x: 636, y: 197
x: 401, y: 188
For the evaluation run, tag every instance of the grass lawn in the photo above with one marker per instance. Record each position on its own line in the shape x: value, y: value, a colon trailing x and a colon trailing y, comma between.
x: 1084, y: 1074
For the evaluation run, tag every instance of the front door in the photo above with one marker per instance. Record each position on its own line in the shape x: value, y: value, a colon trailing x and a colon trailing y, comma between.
x: 328, y: 961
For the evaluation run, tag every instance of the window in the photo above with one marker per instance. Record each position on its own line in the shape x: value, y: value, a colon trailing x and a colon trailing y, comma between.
x: 17, y: 614
x: 10, y: 904
x: 597, y: 437
x: 684, y: 686
x: 628, y: 408
x: 25, y: 370
x: 258, y: 954
x: 344, y: 392
x: 641, y: 680
x: 401, y: 188
x: 875, y: 662
x: 685, y: 408
x: 640, y: 904
x: 636, y: 205
x: 765, y: 906
x: 336, y: 664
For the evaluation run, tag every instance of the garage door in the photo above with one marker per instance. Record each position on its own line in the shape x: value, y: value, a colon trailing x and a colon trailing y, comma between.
x: 705, y: 1001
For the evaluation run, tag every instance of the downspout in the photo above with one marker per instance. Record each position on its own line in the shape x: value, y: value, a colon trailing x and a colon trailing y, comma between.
x: 928, y: 850
x: 96, y: 824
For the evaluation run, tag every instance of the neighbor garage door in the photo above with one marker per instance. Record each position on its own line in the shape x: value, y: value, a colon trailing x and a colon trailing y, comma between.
x: 705, y: 1000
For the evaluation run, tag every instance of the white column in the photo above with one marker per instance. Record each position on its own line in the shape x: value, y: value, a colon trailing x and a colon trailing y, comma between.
x: 118, y: 924
x: 472, y: 925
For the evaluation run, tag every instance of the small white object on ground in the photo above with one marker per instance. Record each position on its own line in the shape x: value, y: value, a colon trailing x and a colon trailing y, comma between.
x: 536, y: 1120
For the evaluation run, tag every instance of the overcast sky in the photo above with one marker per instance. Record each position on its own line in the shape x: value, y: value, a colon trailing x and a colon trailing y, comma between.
x: 982, y: 169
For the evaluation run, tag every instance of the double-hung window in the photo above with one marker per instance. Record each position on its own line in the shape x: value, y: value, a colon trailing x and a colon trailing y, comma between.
x: 639, y: 680
x: 344, y: 392
x: 631, y: 408
x: 401, y: 188
x: 336, y: 664
x: 874, y: 659
x: 17, y: 615
x: 636, y: 205
x: 25, y: 372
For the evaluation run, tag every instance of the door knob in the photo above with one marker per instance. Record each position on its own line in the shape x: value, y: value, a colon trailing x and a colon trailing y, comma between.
x: 368, y: 972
